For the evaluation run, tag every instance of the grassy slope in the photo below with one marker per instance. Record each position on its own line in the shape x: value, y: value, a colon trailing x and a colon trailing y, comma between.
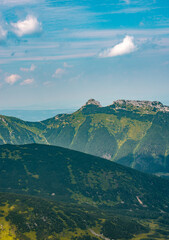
x: 66, y: 175
x: 23, y: 217
x: 27, y: 218
x: 132, y: 137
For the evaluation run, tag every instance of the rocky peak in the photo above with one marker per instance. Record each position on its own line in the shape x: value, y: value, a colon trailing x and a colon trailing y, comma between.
x: 140, y: 104
x: 93, y: 102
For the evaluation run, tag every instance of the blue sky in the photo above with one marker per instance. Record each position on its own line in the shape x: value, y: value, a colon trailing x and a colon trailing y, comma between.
x: 58, y: 54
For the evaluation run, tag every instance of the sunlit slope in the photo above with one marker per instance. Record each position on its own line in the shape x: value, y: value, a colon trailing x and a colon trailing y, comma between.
x: 70, y: 176
x: 30, y: 218
x: 135, y: 134
x: 16, y: 131
x: 23, y: 217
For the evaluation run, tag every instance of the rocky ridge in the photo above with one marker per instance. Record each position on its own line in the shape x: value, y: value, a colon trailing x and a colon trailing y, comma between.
x: 91, y: 101
x: 137, y: 104
x: 156, y: 105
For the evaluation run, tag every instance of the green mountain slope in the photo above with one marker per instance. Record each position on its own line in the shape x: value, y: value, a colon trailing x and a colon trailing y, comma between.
x: 133, y: 133
x: 28, y: 218
x: 69, y: 176
x: 83, y: 197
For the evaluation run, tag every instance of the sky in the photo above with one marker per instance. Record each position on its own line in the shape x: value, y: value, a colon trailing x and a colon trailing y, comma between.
x: 60, y: 53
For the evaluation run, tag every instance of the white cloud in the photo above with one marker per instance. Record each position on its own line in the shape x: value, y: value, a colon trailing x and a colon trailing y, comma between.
x: 58, y: 73
x: 12, y: 79
x: 26, y: 27
x: 125, y: 47
x: 27, y: 81
x: 31, y: 69
x: 3, y: 33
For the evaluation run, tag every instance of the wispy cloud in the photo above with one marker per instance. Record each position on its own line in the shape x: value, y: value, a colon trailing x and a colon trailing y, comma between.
x: 27, y: 27
x: 47, y: 83
x: 158, y: 20
x: 48, y: 58
x: 70, y: 15
x: 66, y: 65
x: 12, y: 79
x: 76, y: 78
x: 3, y: 33
x: 58, y: 73
x: 27, y: 81
x: 125, y: 47
x: 133, y: 10
x: 115, y: 32
x: 19, y: 2
x: 31, y: 69
x: 126, y: 1
x: 165, y: 63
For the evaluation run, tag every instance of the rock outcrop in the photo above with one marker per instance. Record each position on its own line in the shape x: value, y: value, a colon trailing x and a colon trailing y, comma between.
x: 152, y: 105
x: 92, y: 102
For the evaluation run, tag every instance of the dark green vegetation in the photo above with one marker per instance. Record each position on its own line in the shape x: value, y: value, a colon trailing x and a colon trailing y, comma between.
x: 83, y: 197
x: 69, y: 176
x: 133, y: 134
x: 31, y: 218
x: 34, y: 218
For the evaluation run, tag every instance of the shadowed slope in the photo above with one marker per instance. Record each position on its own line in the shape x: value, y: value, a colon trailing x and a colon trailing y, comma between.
x: 61, y: 174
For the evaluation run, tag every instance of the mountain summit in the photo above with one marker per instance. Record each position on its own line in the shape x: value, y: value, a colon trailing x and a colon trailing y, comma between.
x: 151, y: 105
x: 92, y: 101
x: 139, y: 105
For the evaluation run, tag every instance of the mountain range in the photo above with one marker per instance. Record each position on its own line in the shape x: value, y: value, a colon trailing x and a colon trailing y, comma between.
x: 132, y: 133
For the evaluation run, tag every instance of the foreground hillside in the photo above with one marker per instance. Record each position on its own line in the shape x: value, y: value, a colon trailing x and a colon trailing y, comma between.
x: 83, y: 197
x: 65, y: 175
x: 28, y: 218
x: 133, y: 133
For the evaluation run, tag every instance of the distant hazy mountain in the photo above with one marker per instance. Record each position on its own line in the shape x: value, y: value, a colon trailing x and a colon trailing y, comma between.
x: 133, y: 133
x: 34, y: 115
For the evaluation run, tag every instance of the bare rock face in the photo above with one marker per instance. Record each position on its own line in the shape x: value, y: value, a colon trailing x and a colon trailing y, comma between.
x: 92, y: 102
x: 158, y: 106
x: 144, y: 106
